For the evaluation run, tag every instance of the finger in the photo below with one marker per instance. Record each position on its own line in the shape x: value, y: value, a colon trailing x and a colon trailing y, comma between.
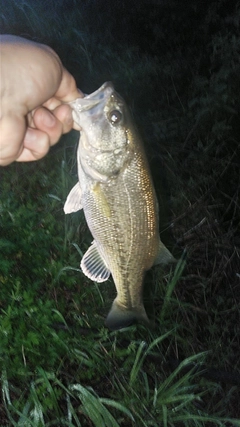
x: 64, y: 114
x: 12, y: 130
x: 36, y: 145
x: 45, y: 121
x: 68, y: 90
x: 52, y: 103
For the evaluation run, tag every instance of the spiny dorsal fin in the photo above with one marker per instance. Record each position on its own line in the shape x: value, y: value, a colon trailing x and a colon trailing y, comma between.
x: 164, y: 256
x: 93, y: 265
x: 73, y: 202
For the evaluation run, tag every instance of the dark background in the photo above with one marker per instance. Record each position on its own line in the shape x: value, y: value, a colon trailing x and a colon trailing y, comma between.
x: 177, y: 65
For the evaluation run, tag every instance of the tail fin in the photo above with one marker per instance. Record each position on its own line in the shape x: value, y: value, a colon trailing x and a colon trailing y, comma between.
x: 119, y: 317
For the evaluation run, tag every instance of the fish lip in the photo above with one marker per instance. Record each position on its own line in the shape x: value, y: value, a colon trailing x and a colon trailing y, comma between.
x: 104, y: 91
x: 93, y: 99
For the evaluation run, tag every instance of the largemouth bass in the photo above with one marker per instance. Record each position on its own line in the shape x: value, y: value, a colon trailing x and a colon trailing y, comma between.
x: 116, y: 192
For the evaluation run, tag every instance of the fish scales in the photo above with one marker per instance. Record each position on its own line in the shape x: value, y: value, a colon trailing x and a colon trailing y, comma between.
x: 128, y: 239
x: 117, y: 195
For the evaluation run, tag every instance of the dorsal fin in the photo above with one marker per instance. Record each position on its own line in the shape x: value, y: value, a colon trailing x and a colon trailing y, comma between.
x: 93, y: 265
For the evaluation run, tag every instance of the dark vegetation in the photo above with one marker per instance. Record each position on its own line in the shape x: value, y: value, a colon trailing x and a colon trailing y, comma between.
x: 177, y: 64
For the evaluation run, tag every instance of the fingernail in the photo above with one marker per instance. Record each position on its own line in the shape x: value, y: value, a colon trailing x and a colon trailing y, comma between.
x: 49, y: 120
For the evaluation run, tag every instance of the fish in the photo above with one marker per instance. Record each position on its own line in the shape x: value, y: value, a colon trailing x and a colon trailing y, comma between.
x: 116, y: 192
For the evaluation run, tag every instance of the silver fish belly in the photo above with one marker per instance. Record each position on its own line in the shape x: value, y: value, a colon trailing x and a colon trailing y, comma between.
x: 116, y: 192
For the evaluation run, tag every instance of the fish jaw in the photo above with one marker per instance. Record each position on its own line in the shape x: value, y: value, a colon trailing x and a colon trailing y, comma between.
x: 120, y: 317
x: 93, y: 103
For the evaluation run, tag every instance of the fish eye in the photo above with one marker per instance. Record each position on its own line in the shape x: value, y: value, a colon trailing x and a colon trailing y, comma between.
x: 115, y: 117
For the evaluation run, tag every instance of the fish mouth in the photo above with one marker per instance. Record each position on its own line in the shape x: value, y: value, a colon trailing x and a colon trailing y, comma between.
x: 104, y: 91
x: 93, y: 99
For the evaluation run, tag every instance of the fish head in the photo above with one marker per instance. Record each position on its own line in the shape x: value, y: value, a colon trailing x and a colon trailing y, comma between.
x: 105, y: 144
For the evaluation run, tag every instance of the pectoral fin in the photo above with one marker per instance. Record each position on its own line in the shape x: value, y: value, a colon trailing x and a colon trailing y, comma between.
x: 164, y: 255
x: 93, y: 265
x: 73, y: 202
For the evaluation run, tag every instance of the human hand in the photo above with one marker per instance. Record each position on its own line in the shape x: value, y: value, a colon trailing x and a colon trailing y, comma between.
x: 33, y: 89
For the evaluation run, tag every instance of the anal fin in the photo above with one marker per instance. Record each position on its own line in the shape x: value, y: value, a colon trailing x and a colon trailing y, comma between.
x: 164, y: 256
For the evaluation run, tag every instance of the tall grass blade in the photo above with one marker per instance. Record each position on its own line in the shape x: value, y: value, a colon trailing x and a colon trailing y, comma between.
x: 171, y: 286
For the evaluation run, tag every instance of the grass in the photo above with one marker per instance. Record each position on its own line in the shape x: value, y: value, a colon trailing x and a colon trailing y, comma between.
x: 59, y: 365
